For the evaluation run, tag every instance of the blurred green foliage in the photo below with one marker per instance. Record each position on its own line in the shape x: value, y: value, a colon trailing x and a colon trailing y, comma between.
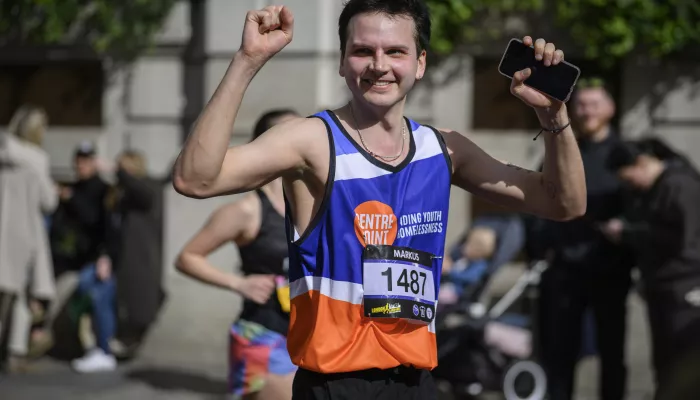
x: 606, y: 29
x: 121, y: 28
x: 453, y: 20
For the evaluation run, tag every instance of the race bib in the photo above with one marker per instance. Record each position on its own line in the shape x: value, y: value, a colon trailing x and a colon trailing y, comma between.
x: 398, y: 283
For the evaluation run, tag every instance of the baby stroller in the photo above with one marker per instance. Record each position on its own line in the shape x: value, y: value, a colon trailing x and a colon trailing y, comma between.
x: 484, y: 350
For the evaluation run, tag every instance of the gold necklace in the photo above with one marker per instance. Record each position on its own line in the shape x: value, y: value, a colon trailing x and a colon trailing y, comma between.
x: 373, y: 154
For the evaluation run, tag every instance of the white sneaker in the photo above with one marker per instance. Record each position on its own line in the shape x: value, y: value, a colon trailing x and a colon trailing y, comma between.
x: 95, y: 360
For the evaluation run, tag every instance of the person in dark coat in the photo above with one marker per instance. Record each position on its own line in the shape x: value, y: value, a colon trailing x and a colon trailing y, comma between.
x: 134, y: 243
x: 663, y: 228
x: 75, y: 235
x: 78, y: 222
x: 587, y: 272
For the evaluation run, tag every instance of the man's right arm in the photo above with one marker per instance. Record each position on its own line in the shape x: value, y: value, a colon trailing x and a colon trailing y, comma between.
x: 281, y: 151
x: 207, y: 167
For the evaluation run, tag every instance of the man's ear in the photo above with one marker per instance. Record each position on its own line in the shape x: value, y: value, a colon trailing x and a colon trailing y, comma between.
x: 422, y: 60
x: 613, y: 108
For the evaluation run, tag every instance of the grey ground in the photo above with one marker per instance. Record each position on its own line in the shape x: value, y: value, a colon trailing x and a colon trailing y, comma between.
x: 185, y: 357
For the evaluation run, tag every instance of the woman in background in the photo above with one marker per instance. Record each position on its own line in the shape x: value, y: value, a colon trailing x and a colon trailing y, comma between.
x: 33, y: 282
x: 135, y: 223
x: 259, y: 364
x: 127, y: 245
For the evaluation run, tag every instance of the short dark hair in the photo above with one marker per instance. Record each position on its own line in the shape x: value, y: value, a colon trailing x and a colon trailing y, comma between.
x: 593, y: 82
x: 85, y: 149
x: 416, y: 10
x: 265, y: 121
x: 626, y: 153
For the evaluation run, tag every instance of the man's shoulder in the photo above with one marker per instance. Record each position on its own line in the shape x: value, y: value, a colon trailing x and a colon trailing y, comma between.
x: 445, y: 132
x: 304, y: 126
x: 304, y: 134
x: 453, y: 139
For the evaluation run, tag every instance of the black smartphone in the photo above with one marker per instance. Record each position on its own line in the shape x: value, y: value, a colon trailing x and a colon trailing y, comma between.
x: 557, y: 81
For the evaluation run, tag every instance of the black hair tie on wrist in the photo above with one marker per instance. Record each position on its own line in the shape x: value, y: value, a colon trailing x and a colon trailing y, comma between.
x: 555, y: 130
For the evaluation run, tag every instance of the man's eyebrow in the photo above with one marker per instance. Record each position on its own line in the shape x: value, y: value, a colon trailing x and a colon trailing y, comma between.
x: 391, y: 46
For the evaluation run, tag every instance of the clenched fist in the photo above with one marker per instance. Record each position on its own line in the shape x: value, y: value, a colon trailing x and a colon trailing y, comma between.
x: 266, y: 32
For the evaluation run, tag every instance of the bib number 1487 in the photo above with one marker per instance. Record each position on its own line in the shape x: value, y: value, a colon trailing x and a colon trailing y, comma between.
x: 398, y: 283
x: 411, y: 281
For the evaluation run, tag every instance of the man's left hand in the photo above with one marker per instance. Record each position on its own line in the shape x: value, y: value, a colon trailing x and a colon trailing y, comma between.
x: 549, y: 54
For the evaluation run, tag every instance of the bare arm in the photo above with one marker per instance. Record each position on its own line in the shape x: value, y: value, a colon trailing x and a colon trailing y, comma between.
x: 558, y: 192
x: 225, y: 225
x: 563, y: 177
x: 229, y: 223
x: 206, y: 167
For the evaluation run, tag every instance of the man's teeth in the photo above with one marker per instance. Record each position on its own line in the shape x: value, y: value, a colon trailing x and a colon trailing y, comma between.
x: 379, y: 83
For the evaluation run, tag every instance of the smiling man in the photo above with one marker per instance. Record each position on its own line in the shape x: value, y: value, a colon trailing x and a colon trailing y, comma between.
x: 362, y: 181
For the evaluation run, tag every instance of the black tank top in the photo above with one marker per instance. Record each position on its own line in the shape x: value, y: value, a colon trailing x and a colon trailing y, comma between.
x: 267, y: 254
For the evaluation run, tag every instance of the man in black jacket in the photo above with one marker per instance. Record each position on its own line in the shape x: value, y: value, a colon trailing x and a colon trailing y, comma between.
x: 76, y: 232
x: 664, y: 230
x: 587, y: 271
x: 77, y: 229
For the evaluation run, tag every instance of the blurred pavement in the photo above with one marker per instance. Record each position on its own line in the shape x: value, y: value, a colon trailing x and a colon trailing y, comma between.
x: 185, y: 357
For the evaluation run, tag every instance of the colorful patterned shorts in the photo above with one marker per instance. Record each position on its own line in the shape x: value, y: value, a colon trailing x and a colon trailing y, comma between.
x: 255, y: 352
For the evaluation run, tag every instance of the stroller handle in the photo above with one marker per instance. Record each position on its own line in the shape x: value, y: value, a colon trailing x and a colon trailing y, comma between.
x: 531, y: 277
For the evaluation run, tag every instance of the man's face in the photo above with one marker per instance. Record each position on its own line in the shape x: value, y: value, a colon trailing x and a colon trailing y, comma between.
x: 85, y: 167
x: 593, y: 110
x: 381, y: 63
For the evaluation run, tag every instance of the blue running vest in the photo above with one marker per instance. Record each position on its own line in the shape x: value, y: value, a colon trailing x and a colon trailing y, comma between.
x: 365, y: 275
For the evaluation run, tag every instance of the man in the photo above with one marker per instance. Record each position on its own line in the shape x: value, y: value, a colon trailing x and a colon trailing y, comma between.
x: 77, y: 229
x: 588, y: 273
x: 367, y: 195
x: 663, y: 228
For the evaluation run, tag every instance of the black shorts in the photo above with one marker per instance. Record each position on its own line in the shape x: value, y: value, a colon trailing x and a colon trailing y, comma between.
x: 373, y: 384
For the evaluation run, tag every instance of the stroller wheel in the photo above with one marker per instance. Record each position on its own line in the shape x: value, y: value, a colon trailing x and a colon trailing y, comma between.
x: 524, y: 380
